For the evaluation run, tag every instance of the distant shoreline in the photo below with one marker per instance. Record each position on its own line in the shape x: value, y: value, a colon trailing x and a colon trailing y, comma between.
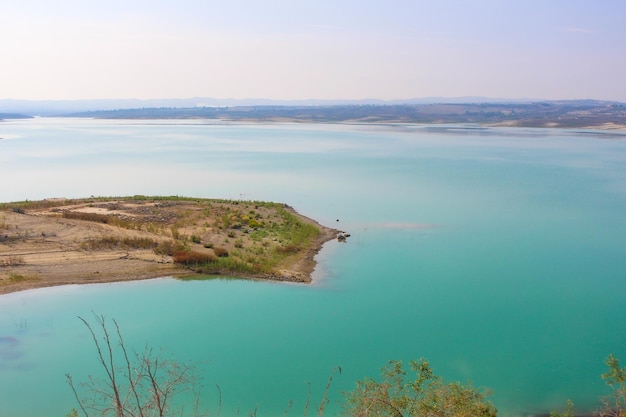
x: 605, y: 128
x: 563, y: 114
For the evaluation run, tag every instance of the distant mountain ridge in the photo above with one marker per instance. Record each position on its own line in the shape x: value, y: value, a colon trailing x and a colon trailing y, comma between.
x: 61, y: 107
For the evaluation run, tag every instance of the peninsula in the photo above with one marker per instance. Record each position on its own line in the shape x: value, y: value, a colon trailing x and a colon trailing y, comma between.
x: 79, y: 241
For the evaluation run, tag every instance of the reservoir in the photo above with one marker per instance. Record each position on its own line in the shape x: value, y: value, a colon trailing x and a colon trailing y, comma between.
x: 498, y: 254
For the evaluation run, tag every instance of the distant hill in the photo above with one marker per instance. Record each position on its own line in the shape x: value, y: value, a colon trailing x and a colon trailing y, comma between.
x: 13, y: 116
x: 478, y: 110
x: 60, y: 107
x: 566, y: 114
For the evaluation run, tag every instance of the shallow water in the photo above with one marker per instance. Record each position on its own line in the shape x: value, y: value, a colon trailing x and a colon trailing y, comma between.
x: 498, y: 254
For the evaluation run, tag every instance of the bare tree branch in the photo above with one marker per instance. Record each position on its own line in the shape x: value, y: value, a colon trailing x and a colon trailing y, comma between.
x: 78, y: 400
x: 149, y: 384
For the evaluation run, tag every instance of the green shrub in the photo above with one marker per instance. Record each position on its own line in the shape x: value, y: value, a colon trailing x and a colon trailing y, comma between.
x: 15, y: 277
x: 255, y: 224
x: 425, y: 394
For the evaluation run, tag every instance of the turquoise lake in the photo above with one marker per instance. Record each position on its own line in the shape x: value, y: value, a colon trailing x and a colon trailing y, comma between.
x: 498, y: 254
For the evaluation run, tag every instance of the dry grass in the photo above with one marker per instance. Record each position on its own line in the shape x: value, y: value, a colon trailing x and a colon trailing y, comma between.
x: 4, y: 225
x: 221, y: 252
x: 101, y: 218
x: 114, y: 242
x: 13, y: 260
x: 189, y: 258
x: 15, y: 277
x: 169, y: 247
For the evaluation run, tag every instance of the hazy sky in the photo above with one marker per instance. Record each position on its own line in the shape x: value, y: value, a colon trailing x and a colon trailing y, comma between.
x: 324, y: 49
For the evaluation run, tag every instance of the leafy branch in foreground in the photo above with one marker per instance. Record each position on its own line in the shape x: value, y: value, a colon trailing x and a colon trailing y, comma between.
x: 613, y: 405
x: 425, y: 394
x: 143, y: 387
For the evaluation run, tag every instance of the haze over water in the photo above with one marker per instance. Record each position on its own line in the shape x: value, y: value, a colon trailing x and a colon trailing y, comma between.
x: 498, y: 254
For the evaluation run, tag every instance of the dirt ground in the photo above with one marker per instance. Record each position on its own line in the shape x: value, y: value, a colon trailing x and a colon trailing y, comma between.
x: 87, y: 241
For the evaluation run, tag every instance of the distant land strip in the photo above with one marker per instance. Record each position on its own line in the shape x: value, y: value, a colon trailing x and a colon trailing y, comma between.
x: 590, y: 114
x: 559, y: 114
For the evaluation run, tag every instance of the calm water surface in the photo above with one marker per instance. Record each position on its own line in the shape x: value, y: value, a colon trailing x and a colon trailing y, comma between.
x: 498, y: 254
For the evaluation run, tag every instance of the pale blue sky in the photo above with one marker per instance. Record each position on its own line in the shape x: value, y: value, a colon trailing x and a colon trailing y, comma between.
x: 322, y: 49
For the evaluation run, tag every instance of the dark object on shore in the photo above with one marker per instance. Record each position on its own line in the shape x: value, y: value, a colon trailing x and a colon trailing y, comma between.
x: 342, y: 236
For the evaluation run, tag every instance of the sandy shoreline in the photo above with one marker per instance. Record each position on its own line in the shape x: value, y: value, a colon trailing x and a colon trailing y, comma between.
x: 41, y: 248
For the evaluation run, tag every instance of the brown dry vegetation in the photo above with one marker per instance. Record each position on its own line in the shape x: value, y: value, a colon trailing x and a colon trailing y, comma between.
x: 59, y: 241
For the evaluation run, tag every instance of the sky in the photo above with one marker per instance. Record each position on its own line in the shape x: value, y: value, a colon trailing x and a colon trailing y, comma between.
x: 317, y: 49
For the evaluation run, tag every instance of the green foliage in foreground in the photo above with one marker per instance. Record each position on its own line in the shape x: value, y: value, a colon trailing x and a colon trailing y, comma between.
x: 417, y: 392
x: 613, y: 405
x: 145, y: 385
x: 615, y: 378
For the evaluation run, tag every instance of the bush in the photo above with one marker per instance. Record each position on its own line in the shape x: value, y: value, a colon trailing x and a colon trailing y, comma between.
x: 221, y: 252
x: 169, y: 248
x: 193, y: 258
x: 139, y: 243
x: 613, y: 405
x: 427, y: 395
x: 288, y: 249
x: 253, y: 223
